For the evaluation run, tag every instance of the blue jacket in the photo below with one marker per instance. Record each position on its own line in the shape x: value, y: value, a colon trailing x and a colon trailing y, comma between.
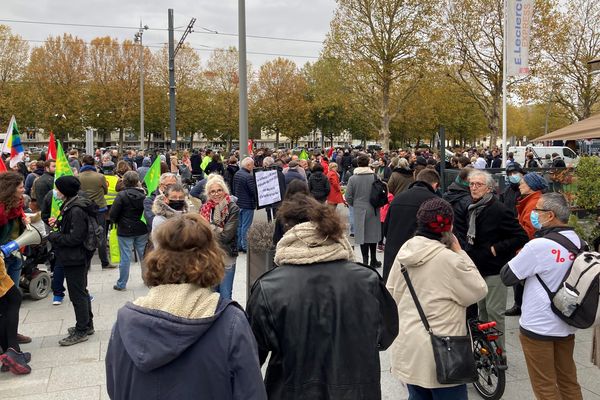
x: 180, y: 358
x: 244, y: 190
x: 293, y: 173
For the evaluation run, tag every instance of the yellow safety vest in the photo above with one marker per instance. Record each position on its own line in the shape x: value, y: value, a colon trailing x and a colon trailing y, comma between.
x: 110, y: 196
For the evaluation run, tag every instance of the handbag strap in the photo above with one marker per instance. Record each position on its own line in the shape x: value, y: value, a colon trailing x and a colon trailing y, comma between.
x: 416, y: 299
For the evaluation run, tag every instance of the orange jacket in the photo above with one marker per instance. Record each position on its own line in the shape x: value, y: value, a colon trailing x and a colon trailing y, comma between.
x: 524, y: 207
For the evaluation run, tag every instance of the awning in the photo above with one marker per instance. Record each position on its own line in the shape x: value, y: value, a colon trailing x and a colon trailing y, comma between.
x: 587, y: 129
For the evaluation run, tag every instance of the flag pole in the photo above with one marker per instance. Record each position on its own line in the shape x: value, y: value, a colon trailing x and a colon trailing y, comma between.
x: 504, y: 78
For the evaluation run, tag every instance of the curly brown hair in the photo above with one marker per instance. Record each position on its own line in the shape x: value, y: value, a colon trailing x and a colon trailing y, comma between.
x: 185, y: 251
x: 9, y: 182
x: 301, y: 207
x: 122, y: 167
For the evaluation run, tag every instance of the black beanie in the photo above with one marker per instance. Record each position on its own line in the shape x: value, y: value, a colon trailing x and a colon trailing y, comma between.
x: 68, y: 185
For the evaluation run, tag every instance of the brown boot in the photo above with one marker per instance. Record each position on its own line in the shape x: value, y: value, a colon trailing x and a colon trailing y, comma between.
x: 22, y: 339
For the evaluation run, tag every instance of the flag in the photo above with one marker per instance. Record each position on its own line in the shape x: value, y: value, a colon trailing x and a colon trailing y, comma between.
x: 330, y: 152
x: 518, y: 36
x: 303, y: 155
x: 8, y: 137
x: 62, y: 169
x: 2, y: 166
x: 51, y: 147
x: 152, y: 179
x: 17, y: 152
x: 250, y: 146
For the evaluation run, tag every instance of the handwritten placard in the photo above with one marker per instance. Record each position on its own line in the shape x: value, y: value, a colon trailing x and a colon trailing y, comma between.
x: 267, y: 187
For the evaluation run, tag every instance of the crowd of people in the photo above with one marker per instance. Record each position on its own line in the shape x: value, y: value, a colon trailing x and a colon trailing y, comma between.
x: 320, y: 317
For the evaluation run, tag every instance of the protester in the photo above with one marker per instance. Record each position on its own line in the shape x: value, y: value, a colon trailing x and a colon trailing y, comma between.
x: 144, y: 168
x: 223, y: 214
x: 182, y: 340
x: 121, y: 169
x: 165, y: 180
x: 459, y: 197
x: 511, y: 194
x: 315, y: 291
x: 547, y: 341
x: 335, y: 196
x: 132, y: 232
x: 367, y: 224
x: 295, y: 186
x: 401, y: 221
x: 44, y: 184
x: 168, y: 205
x: 215, y: 165
x: 74, y: 160
x: 243, y: 189
x: 71, y: 230
x: 230, y: 171
x: 33, y: 175
x: 401, y: 178
x: 446, y: 281
x: 269, y: 163
x: 530, y: 162
x: 493, y: 237
x: 294, y: 171
x: 318, y: 183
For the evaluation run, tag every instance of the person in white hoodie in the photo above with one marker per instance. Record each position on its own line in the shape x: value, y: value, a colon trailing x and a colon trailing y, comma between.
x: 446, y: 282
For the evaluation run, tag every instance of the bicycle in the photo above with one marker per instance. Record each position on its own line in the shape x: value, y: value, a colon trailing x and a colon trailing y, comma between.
x: 489, y: 360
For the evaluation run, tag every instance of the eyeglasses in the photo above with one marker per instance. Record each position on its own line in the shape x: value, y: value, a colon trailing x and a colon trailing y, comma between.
x: 476, y: 184
x: 216, y: 191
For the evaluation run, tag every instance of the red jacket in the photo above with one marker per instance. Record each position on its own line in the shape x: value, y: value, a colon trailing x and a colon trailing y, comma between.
x: 335, y: 192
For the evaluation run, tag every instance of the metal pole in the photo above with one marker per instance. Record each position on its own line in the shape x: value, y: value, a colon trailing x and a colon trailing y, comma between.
x: 243, y: 78
x: 442, y: 132
x: 504, y: 78
x: 172, y: 82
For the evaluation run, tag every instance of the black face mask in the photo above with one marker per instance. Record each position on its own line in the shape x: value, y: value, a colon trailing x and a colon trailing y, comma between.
x: 177, y: 205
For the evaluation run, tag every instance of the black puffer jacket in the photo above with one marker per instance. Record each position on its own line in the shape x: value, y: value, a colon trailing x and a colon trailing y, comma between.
x: 321, y: 348
x: 460, y: 198
x: 72, y: 232
x: 318, y: 185
x: 229, y: 174
x: 510, y: 197
x: 127, y: 212
x: 495, y: 226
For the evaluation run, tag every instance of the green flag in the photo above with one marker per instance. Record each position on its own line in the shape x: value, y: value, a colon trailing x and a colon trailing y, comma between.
x: 62, y: 169
x: 152, y: 180
x: 303, y: 155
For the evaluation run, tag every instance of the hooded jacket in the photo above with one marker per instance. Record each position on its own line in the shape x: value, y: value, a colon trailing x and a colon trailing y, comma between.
x: 460, y: 198
x: 229, y: 174
x: 67, y: 243
x: 400, y: 180
x: 318, y: 185
x: 182, y: 342
x: 144, y: 167
x: 127, y: 212
x: 446, y: 283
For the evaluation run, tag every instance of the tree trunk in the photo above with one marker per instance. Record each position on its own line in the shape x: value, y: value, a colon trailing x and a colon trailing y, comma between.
x: 276, y: 138
x: 384, y: 130
x: 121, y: 138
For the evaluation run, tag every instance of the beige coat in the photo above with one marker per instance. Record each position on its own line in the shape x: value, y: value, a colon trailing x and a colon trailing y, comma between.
x: 445, y: 283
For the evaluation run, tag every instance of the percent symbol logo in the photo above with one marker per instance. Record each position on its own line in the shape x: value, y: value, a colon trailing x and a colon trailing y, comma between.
x: 561, y: 259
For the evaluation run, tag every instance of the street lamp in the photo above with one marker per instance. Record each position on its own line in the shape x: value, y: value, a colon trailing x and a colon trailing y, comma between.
x: 138, y: 39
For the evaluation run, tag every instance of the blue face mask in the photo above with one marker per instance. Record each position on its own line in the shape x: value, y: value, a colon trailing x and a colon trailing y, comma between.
x: 534, y: 217
x: 516, y: 178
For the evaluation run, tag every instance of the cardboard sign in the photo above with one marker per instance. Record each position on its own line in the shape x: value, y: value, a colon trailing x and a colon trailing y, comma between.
x: 267, y: 187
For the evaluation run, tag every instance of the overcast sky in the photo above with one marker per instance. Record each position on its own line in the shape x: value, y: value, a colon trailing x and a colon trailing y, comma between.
x: 298, y: 19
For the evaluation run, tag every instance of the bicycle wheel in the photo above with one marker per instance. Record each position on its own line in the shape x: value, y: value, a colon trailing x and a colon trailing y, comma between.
x: 491, y: 381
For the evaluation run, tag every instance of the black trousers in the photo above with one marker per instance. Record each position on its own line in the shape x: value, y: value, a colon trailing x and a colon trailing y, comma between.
x: 76, y: 277
x: 9, y: 319
x: 102, y: 248
x: 518, y: 294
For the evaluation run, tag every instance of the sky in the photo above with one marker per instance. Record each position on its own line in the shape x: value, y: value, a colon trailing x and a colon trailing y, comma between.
x: 296, y: 19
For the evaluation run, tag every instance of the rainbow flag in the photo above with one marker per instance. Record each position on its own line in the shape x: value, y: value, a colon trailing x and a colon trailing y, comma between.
x: 62, y: 169
x: 12, y: 143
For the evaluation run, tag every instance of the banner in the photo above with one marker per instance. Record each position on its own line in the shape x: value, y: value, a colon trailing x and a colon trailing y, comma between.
x: 267, y: 187
x: 519, y: 15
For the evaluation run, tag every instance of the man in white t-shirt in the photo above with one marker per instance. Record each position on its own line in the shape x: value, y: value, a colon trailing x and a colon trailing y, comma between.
x: 547, y: 341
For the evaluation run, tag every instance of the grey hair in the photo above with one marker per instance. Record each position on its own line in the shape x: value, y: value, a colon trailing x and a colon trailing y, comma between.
x: 557, y: 203
x: 246, y: 161
x: 131, y: 179
x: 489, y: 179
x: 403, y: 163
x: 268, y: 161
x: 166, y: 176
x: 215, y: 179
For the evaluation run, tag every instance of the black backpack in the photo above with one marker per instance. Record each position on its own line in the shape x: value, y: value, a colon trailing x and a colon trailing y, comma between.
x: 94, y: 233
x: 379, y: 193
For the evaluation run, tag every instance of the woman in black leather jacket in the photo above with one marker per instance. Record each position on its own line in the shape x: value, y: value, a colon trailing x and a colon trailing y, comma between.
x: 323, y: 317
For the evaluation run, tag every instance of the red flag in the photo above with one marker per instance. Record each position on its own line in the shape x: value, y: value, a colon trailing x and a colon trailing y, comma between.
x: 250, y: 146
x: 2, y: 166
x: 51, y: 147
x: 330, y: 152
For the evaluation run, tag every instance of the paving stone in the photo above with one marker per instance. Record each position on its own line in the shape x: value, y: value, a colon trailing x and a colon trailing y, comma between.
x: 91, y: 393
x: 76, y: 376
x: 80, y: 353
x: 16, y: 385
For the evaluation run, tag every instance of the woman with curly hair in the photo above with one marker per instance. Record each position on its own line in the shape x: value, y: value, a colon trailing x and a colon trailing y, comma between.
x: 323, y: 317
x: 182, y: 340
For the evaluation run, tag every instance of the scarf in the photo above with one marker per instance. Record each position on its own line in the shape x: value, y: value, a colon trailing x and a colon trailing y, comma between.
x: 474, y: 210
x: 13, y: 213
x: 217, y: 211
x: 303, y: 245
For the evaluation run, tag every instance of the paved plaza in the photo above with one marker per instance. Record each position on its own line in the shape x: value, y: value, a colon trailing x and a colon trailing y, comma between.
x: 77, y: 372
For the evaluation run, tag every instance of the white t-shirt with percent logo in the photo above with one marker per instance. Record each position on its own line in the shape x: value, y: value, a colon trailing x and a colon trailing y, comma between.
x: 550, y: 261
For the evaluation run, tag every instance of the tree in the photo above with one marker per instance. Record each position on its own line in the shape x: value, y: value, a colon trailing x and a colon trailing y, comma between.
x: 383, y: 42
x: 576, y: 42
x: 58, y: 74
x: 14, y: 52
x: 279, y: 100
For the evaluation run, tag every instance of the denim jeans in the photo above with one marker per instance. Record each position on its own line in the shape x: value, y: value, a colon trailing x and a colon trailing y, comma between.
x: 126, y: 243
x: 13, y: 268
x: 58, y: 280
x: 451, y: 393
x: 246, y: 217
x: 225, y: 288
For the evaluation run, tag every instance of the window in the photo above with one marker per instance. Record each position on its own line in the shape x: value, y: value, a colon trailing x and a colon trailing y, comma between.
x: 567, y: 152
x: 30, y: 135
